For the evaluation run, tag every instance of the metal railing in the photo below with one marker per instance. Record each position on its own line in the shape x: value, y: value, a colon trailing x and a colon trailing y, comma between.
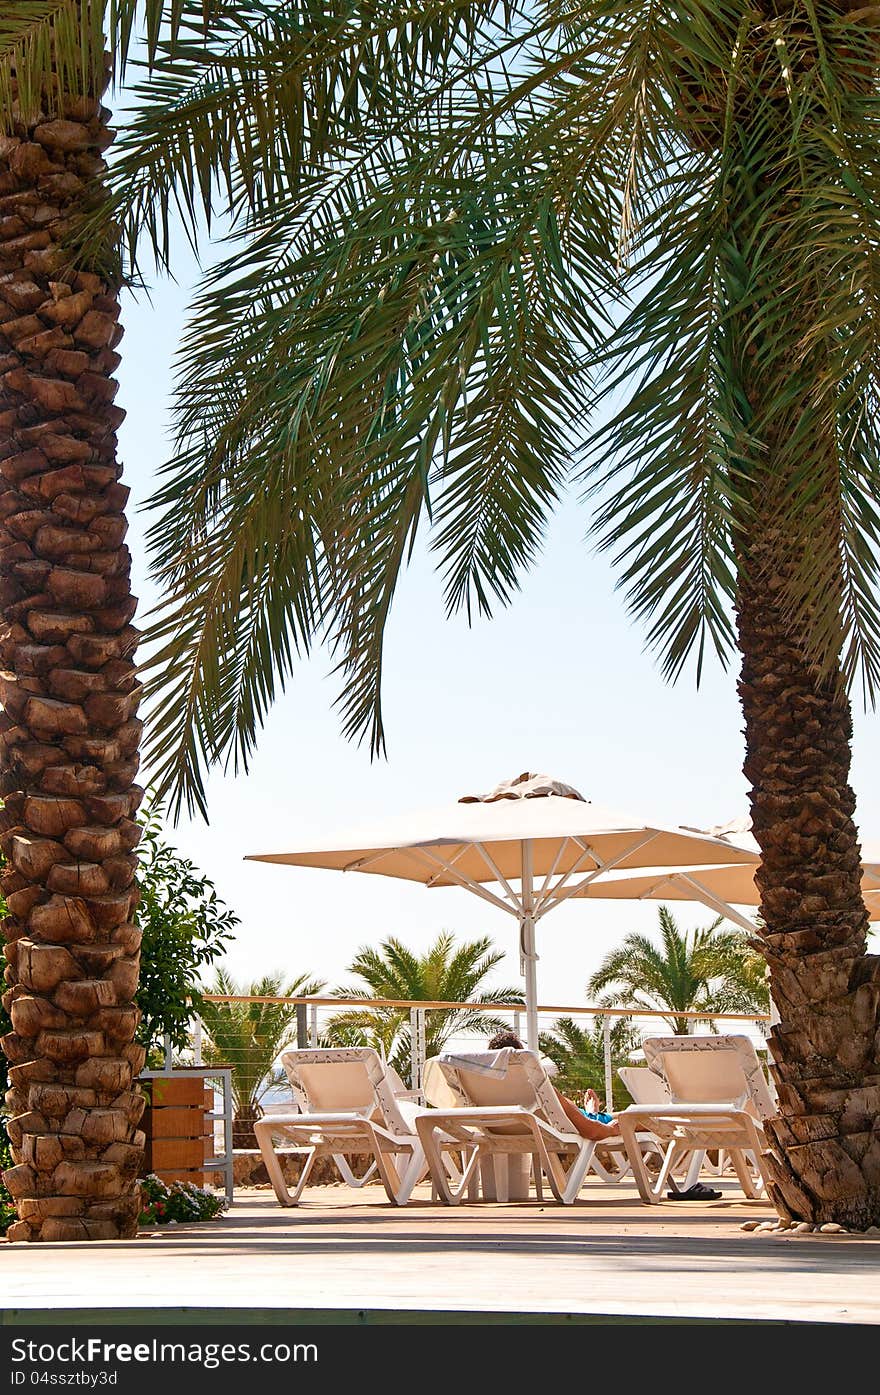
x: 311, y: 1012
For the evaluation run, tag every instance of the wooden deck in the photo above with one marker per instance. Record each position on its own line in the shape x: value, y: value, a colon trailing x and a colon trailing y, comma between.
x: 347, y: 1256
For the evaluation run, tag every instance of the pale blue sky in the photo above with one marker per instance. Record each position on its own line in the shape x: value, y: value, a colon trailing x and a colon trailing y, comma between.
x: 558, y: 684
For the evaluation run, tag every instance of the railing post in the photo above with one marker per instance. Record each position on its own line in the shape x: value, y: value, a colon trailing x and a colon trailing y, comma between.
x: 302, y: 1026
x: 197, y: 1041
x: 167, y: 1052
x: 417, y: 1048
x: 609, y: 1076
x: 226, y: 1080
x: 313, y: 1024
x: 414, y: 1072
x: 516, y: 1025
x: 423, y: 1051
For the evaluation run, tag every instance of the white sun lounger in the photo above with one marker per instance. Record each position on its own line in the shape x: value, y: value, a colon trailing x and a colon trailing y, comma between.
x: 351, y: 1108
x: 718, y: 1100
x: 508, y: 1108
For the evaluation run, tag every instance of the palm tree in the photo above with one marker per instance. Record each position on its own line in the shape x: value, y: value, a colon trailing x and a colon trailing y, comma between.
x: 249, y: 1037
x: 706, y: 970
x: 69, y: 732
x: 458, y: 228
x: 580, y: 1054
x: 446, y: 974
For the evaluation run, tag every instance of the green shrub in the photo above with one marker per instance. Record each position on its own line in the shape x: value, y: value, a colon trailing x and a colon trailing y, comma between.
x: 163, y: 1203
x: 185, y: 928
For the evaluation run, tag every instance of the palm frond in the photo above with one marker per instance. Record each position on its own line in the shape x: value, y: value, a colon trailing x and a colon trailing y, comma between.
x: 238, y: 114
x: 708, y: 969
x: 250, y: 1035
x: 52, y: 51
x: 449, y: 972
x: 450, y: 234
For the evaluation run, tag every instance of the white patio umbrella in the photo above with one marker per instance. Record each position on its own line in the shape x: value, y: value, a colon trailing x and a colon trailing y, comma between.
x: 724, y: 887
x: 525, y: 847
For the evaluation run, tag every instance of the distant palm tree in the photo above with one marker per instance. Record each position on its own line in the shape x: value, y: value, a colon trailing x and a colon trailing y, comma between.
x: 444, y: 974
x: 580, y: 1054
x: 706, y: 970
x: 249, y: 1037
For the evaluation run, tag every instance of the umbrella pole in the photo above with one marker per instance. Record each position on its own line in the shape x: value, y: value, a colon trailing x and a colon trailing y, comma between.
x: 528, y: 956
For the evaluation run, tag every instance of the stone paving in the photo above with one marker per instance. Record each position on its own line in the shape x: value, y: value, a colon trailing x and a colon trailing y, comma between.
x: 349, y: 1256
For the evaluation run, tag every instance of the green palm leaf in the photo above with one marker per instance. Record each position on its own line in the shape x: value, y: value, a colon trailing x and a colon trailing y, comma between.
x: 579, y: 1055
x: 447, y: 973
x: 447, y: 239
x: 250, y: 1036
x: 711, y: 970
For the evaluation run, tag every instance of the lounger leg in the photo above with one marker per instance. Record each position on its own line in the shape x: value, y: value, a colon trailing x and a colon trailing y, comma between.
x: 473, y: 1177
x: 675, y: 1154
x: 311, y: 1159
x: 391, y: 1180
x: 622, y: 1168
x: 646, y: 1144
x: 566, y: 1185
x: 554, y: 1170
x: 413, y: 1173
x: 502, y: 1177
x: 648, y: 1192
x: 744, y: 1174
x: 755, y: 1168
x: 561, y: 1182
x: 450, y: 1195
x: 348, y: 1176
x: 263, y: 1134
x: 455, y: 1171
x: 605, y: 1173
x: 439, y: 1177
x: 576, y: 1174
x: 695, y: 1168
x: 538, y: 1176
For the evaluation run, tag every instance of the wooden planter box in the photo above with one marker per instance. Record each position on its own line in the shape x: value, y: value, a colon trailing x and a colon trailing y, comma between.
x: 178, y: 1133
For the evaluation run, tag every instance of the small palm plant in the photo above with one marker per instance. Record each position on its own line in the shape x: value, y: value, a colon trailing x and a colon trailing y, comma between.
x: 445, y: 974
x: 579, y: 1054
x: 705, y: 970
x: 248, y: 1036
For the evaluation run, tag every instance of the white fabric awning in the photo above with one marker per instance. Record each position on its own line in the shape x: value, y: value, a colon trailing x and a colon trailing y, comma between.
x: 722, y: 887
x: 482, y: 842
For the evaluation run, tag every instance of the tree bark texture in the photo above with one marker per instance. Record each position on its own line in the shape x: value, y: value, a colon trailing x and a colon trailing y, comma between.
x: 243, y: 1135
x: 69, y: 733
x: 825, y: 1161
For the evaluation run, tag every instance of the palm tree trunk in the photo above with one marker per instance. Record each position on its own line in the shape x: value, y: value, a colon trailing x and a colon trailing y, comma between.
x: 243, y: 1135
x: 69, y: 735
x: 826, y: 1157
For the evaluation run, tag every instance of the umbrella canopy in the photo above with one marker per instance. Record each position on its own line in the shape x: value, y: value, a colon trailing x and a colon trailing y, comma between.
x: 526, y: 846
x: 723, y: 887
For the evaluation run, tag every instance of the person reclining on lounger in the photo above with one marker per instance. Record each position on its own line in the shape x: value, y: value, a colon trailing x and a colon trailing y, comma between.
x: 591, y: 1122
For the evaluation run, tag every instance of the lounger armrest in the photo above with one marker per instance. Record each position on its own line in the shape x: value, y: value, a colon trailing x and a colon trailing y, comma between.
x: 481, y: 1111
x: 477, y: 1115
x: 683, y: 1107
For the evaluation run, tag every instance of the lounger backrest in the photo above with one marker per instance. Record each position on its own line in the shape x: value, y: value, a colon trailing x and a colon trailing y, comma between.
x: 711, y: 1069
x: 343, y: 1080
x: 644, y: 1085
x: 487, y: 1078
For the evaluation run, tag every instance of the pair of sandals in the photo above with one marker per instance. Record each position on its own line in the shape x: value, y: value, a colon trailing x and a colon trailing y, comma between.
x: 698, y: 1192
